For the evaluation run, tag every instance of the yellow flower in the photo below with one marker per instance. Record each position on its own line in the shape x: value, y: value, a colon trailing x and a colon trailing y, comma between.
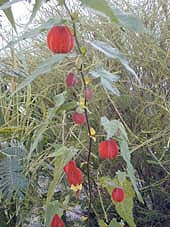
x: 92, y: 134
x: 87, y: 80
x: 76, y: 188
x: 82, y: 102
x: 92, y: 131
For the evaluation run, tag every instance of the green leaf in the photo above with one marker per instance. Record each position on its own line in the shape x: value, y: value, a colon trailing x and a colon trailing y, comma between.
x: 52, y: 209
x: 111, y: 128
x: 36, y: 7
x: 43, y: 68
x: 114, y: 128
x: 31, y: 33
x: 114, y: 53
x: 107, y: 84
x: 121, y: 176
x: 67, y: 106
x: 107, y: 79
x: 102, y: 223
x: 101, y: 6
x: 61, y: 2
x: 104, y: 8
x: 129, y: 21
x: 114, y: 223
x: 107, y: 183
x: 4, y: 131
x: 124, y: 208
x: 44, y: 126
x: 8, y: 13
x: 63, y: 155
x: 8, y: 4
x: 125, y: 153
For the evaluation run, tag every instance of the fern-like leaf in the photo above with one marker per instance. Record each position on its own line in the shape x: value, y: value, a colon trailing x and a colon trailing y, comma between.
x: 11, y: 171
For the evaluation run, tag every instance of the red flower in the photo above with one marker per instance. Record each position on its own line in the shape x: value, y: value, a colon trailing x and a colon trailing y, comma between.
x: 57, y: 221
x: 118, y: 195
x: 74, y: 174
x: 88, y: 93
x: 108, y: 149
x: 60, y: 39
x: 71, y: 80
x: 79, y: 118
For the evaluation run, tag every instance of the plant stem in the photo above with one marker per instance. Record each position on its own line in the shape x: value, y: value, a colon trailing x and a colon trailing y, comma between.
x: 87, y: 118
x: 88, y: 127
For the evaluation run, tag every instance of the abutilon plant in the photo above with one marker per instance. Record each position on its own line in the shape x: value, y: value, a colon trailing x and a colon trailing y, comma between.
x: 57, y: 221
x: 60, y: 39
x: 108, y: 149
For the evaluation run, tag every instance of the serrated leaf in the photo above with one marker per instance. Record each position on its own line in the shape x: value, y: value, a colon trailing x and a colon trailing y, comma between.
x: 124, y: 208
x: 114, y: 53
x: 63, y: 155
x: 9, y: 14
x: 52, y: 209
x: 36, y: 7
x: 106, y: 79
x: 43, y: 68
x: 101, y: 6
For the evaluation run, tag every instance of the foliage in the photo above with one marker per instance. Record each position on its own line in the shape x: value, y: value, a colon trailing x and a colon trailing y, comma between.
x: 130, y: 60
x: 12, y: 179
x: 125, y: 208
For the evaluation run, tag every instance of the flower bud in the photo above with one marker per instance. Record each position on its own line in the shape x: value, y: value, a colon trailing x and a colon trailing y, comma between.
x: 78, y: 118
x: 108, y: 149
x: 88, y: 93
x: 71, y: 80
x: 118, y: 194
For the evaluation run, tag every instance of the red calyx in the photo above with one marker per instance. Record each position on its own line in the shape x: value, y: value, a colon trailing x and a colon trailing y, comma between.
x: 57, y: 221
x: 88, y: 93
x: 78, y: 118
x: 73, y: 173
x: 108, y: 149
x: 71, y: 80
x: 118, y: 195
x: 60, y: 39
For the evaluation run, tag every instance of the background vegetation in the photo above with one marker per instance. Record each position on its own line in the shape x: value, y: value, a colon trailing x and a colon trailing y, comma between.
x: 34, y: 119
